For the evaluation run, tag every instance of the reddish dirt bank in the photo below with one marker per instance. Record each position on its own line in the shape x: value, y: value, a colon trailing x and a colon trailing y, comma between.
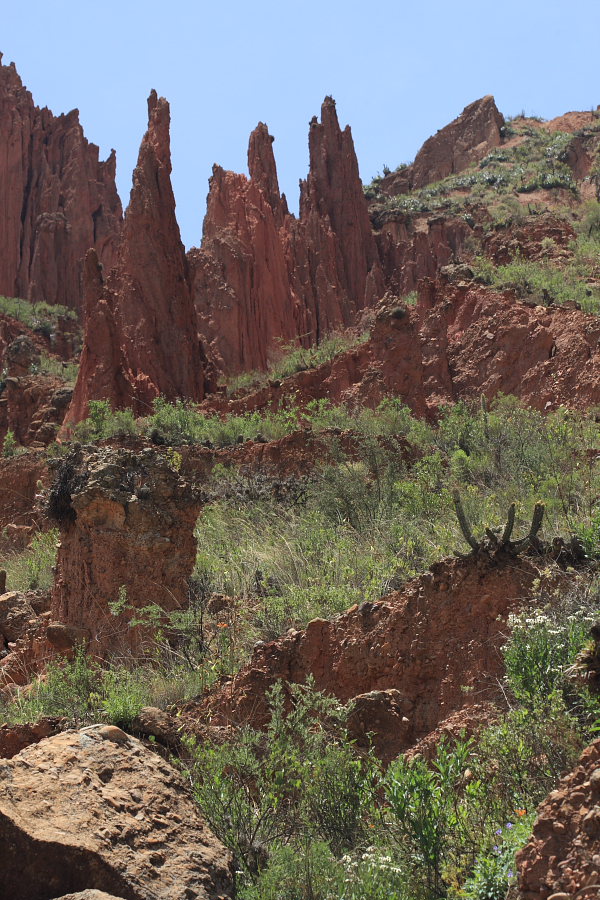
x: 410, y: 661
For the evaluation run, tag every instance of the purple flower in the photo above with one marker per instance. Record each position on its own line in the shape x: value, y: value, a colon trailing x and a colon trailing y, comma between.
x: 510, y: 873
x: 509, y: 825
x: 499, y: 831
x: 496, y: 849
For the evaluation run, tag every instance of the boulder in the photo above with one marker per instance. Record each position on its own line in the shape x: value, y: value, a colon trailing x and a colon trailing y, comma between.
x: 94, y: 810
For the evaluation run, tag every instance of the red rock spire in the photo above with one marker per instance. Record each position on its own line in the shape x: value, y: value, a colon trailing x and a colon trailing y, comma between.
x: 145, y: 304
x: 56, y: 199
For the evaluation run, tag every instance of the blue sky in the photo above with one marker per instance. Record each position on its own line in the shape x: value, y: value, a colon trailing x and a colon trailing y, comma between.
x: 398, y: 71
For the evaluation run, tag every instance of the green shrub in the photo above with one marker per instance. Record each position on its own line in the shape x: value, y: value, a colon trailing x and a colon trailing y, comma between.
x: 32, y: 569
x: 299, y: 780
x: 85, y: 691
x: 50, y: 365
x: 288, y: 359
x: 104, y: 423
x: 425, y: 809
x: 544, y: 282
x: 9, y: 447
x: 38, y: 316
x: 495, y: 872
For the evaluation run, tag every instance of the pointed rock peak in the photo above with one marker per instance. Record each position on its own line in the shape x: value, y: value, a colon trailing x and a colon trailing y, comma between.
x: 152, y: 102
x: 463, y: 142
x: 329, y: 113
x: 158, y: 134
x: 261, y: 163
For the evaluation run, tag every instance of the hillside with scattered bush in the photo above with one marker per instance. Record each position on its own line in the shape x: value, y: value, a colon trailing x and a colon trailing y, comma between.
x: 305, y: 523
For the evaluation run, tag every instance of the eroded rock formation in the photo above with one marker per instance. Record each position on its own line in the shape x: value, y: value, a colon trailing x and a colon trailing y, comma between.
x: 562, y: 857
x: 262, y: 274
x: 141, y: 336
x: 459, y: 341
x: 116, y: 815
x: 466, y: 140
x: 56, y: 199
x: 126, y: 533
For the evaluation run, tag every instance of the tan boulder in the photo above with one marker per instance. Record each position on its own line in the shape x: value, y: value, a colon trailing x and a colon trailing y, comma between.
x: 94, y: 809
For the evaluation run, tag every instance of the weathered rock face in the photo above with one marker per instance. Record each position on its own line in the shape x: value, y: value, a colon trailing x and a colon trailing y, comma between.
x: 530, y: 240
x: 410, y: 252
x: 23, y: 625
x: 56, y: 199
x: 459, y: 341
x: 240, y: 277
x: 463, y: 142
x: 20, y: 480
x: 262, y: 274
x: 14, y: 738
x: 117, y: 817
x: 563, y: 854
x: 31, y: 406
x: 127, y: 531
x: 141, y: 335
x: 405, y: 659
x: 333, y: 193
x: 35, y: 408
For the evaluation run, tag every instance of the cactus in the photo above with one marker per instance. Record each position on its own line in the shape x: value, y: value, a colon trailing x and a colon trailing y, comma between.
x: 510, y: 524
x: 536, y: 524
x: 484, y: 413
x: 463, y: 521
x: 504, y: 542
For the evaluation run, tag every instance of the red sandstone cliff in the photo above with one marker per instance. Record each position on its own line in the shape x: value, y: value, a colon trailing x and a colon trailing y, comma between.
x: 262, y: 274
x: 56, y: 199
x: 141, y: 336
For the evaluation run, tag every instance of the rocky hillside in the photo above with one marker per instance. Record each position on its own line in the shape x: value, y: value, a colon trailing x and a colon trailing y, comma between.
x: 300, y: 529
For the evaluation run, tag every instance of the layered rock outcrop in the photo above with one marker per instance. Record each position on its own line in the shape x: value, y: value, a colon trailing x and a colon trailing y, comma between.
x: 20, y: 481
x: 262, y: 275
x: 126, y: 534
x: 32, y: 405
x: 562, y: 857
x: 140, y: 329
x: 56, y: 199
x: 116, y: 816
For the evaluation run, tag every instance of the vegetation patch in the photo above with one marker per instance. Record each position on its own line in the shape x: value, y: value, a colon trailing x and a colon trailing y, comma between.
x: 41, y: 317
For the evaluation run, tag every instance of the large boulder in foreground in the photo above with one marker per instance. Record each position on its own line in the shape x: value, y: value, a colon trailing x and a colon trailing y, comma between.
x: 94, y: 809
